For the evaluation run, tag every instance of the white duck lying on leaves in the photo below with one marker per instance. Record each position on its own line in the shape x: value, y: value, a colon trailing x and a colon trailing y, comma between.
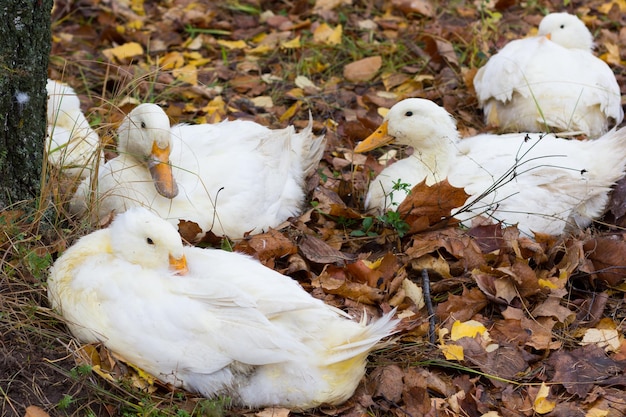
x: 539, y: 182
x: 229, y: 178
x: 210, y: 321
x: 551, y: 81
x: 73, y: 147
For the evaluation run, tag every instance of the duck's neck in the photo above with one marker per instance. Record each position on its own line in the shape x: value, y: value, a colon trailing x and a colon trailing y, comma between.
x: 436, y: 150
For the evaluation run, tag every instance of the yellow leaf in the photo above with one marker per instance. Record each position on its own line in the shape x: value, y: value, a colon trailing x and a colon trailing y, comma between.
x: 171, y: 60
x: 122, y: 52
x: 290, y: 112
x: 373, y: 265
x: 544, y: 283
x: 232, y: 44
x: 134, y: 24
x: 612, y: 55
x: 606, y: 7
x: 470, y: 328
x: 596, y: 412
x: 187, y: 74
x: 104, y: 374
x: 215, y: 106
x: 261, y: 49
x: 292, y: 44
x: 452, y: 352
x: 327, y: 35
x: 137, y: 6
x: 541, y: 404
x: 196, y: 58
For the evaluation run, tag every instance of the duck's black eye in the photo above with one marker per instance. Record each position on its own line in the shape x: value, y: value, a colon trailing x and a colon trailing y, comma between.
x: 149, y: 241
x: 143, y: 125
x: 408, y: 114
x: 562, y: 26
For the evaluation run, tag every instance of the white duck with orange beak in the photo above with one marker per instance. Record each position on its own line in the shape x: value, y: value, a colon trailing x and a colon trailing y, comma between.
x: 230, y: 178
x: 551, y: 82
x: 213, y: 322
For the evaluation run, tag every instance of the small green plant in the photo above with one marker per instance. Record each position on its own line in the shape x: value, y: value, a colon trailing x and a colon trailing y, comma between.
x: 366, y: 228
x: 80, y: 370
x: 397, y: 186
x: 65, y: 402
x: 393, y: 220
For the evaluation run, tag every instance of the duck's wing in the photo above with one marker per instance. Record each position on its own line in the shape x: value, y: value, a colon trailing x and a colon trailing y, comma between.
x: 541, y: 182
x: 506, y: 70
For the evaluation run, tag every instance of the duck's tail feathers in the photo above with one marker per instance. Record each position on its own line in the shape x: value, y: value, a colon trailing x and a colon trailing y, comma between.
x: 369, y: 338
x: 312, y: 148
x: 610, y: 149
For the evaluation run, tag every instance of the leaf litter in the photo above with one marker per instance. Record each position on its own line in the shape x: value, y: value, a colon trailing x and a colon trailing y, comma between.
x: 524, y: 326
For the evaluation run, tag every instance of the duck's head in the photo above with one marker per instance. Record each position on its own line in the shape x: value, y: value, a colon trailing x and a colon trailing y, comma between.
x: 415, y: 122
x: 145, y: 133
x: 142, y: 238
x: 567, y: 30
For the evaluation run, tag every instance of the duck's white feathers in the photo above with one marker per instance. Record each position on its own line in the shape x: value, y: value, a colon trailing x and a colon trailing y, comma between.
x: 538, y: 84
x: 73, y: 147
x: 540, y: 182
x: 229, y: 327
x: 233, y: 177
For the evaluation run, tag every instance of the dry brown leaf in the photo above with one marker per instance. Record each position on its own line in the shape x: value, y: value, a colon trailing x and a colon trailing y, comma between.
x: 541, y: 336
x: 34, y: 411
x: 316, y: 250
x: 428, y: 206
x: 388, y: 383
x: 267, y: 247
x: 423, y: 7
x: 552, y: 307
x: 335, y: 280
x: 273, y: 412
x: 462, y: 307
x: 580, y: 369
x: 608, y: 255
x: 362, y: 70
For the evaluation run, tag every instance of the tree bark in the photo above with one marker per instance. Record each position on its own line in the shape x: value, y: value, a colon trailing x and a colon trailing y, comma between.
x: 24, y: 51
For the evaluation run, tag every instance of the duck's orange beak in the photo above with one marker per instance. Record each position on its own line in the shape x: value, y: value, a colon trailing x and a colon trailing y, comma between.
x: 549, y: 36
x: 161, y: 171
x: 377, y: 139
x: 179, y: 265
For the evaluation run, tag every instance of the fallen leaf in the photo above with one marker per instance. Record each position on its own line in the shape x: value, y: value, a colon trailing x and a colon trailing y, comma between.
x: 428, y: 206
x: 608, y: 339
x: 123, y: 52
x: 423, y: 7
x: 273, y: 412
x: 34, y: 411
x: 470, y: 328
x: 362, y: 70
x: 541, y: 404
x: 326, y: 35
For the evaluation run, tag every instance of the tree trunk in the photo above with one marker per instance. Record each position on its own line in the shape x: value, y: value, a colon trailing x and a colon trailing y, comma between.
x: 24, y: 51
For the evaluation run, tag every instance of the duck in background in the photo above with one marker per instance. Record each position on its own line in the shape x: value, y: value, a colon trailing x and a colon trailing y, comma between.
x: 538, y: 181
x: 551, y: 82
x: 230, y: 178
x: 214, y: 322
x: 73, y: 147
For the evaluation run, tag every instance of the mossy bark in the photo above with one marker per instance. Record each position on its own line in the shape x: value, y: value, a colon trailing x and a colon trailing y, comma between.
x: 24, y: 51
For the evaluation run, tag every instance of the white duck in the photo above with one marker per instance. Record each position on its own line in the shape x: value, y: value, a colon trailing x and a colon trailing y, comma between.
x: 550, y: 82
x: 539, y: 182
x: 227, y: 326
x: 73, y: 147
x: 229, y: 178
